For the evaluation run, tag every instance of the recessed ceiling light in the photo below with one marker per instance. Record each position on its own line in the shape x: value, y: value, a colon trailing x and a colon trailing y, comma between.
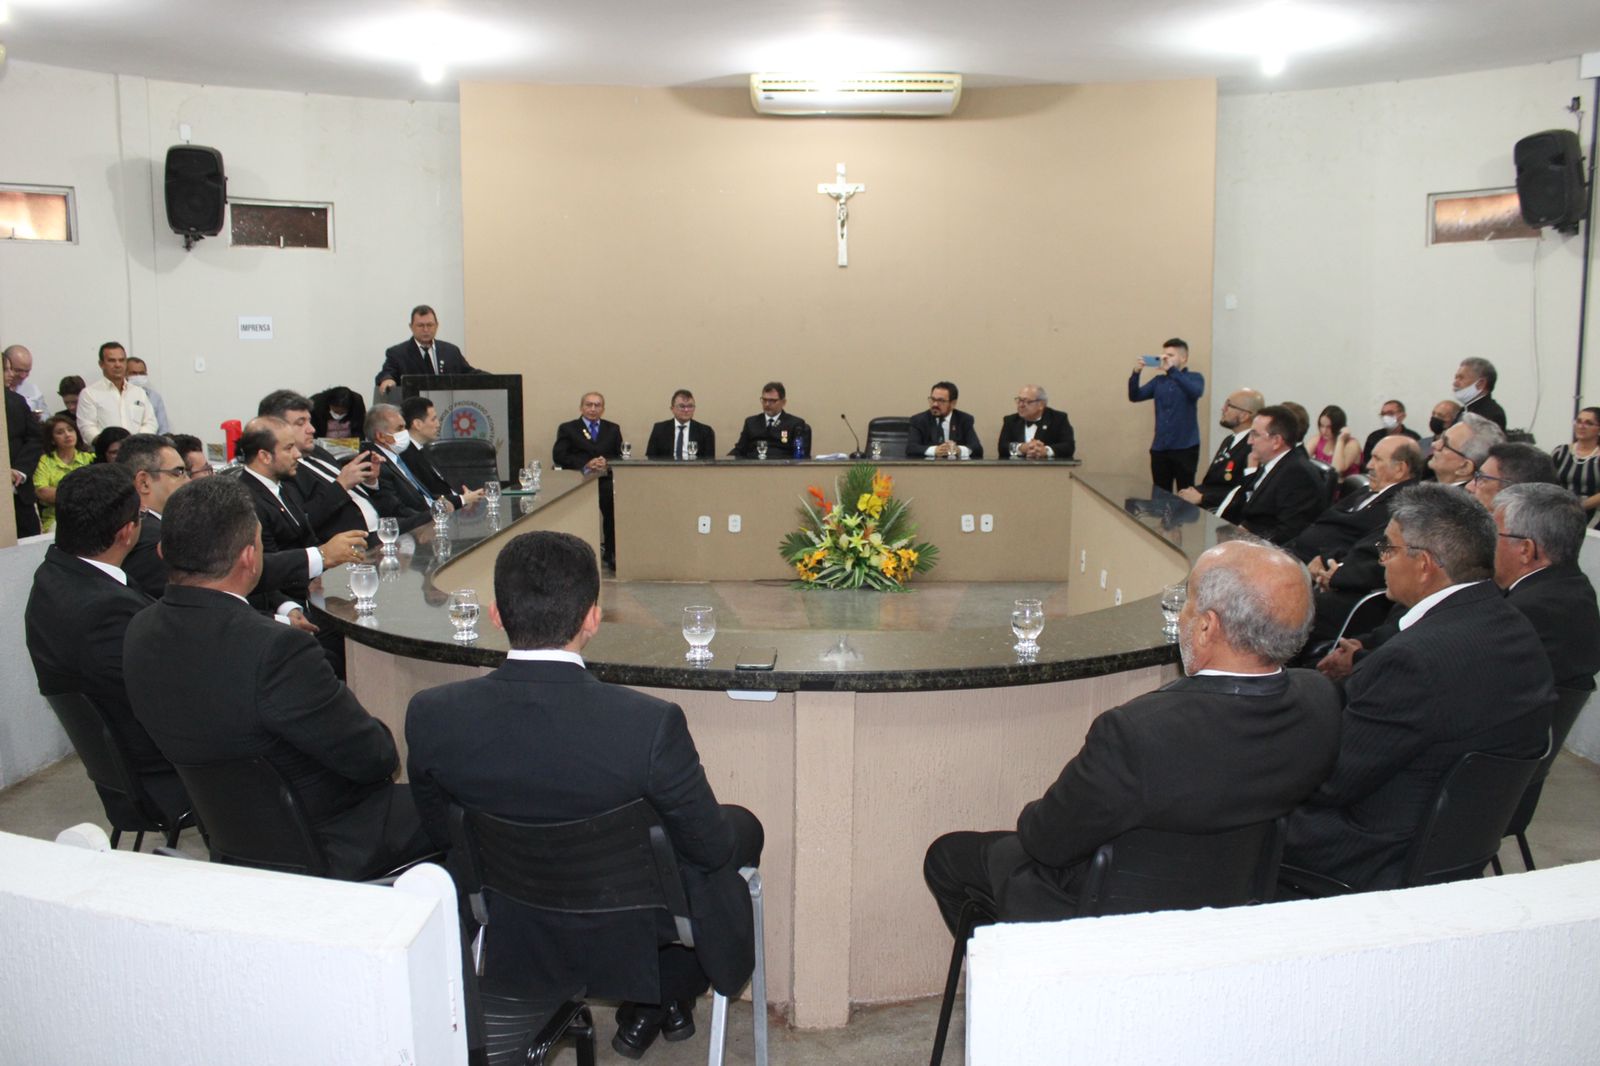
x: 433, y: 73
x: 437, y: 39
x: 1273, y: 64
x: 1271, y: 33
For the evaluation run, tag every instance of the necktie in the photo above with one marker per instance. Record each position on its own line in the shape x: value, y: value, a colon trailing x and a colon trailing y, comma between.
x: 678, y: 451
x: 772, y: 423
x: 290, y: 509
x: 405, y: 472
x: 594, y: 430
x: 1223, y: 449
x: 433, y: 364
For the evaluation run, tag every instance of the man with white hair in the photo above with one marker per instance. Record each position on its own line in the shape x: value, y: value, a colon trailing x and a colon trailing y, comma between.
x: 1462, y: 449
x: 1541, y: 528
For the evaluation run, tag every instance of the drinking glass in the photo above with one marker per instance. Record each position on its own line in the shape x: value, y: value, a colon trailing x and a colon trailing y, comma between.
x: 1172, y: 600
x: 699, y: 626
x: 1016, y: 449
x: 491, y: 493
x: 388, y: 533
x: 464, y: 613
x: 761, y: 449
x: 525, y: 479
x: 363, y: 585
x: 1027, y: 622
x: 388, y: 569
x: 691, y: 450
x: 441, y: 515
x: 627, y: 450
x: 877, y: 450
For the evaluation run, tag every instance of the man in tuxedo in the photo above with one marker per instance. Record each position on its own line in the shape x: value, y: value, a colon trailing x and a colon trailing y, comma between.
x: 1239, y: 740
x: 1511, y: 463
x: 158, y: 470
x: 776, y: 426
x: 1462, y: 448
x: 251, y: 688
x: 1039, y: 430
x: 423, y: 353
x: 669, y: 438
x: 337, y: 498
x: 1465, y: 673
x: 589, y: 443
x: 541, y: 740
x: 1474, y: 387
x: 942, y: 432
x: 26, y: 442
x: 1393, y: 416
x: 1285, y: 493
x: 1541, y: 529
x: 400, y: 495
x: 78, y: 613
x: 422, y: 429
x: 1232, y: 461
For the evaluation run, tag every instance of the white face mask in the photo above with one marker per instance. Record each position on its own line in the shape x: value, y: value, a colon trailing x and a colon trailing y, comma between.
x: 1390, y: 421
x: 140, y: 380
x: 402, y: 441
x: 1467, y: 393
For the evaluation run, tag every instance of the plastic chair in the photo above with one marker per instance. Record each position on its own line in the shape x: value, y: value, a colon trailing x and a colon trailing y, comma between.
x: 620, y: 860
x: 1147, y: 870
x: 128, y: 804
x: 891, y: 433
x: 465, y: 461
x: 1569, y: 703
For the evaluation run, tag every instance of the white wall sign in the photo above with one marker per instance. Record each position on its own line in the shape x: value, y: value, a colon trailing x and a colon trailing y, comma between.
x: 255, y: 327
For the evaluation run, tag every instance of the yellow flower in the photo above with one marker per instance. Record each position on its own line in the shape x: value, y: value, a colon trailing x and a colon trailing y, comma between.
x: 908, y: 557
x: 813, y: 558
x: 870, y: 504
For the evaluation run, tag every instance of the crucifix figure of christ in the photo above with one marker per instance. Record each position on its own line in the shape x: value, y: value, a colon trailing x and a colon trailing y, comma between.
x: 841, y: 191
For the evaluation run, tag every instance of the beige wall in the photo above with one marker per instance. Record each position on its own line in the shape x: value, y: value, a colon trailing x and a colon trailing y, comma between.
x: 636, y: 240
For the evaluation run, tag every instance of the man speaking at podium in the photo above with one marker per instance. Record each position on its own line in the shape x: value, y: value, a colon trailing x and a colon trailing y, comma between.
x: 422, y: 354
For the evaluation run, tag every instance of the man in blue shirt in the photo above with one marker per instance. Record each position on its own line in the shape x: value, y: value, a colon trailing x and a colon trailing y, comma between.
x: 1175, y: 451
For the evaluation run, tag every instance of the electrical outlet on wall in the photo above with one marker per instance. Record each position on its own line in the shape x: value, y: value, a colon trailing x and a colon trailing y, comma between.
x: 703, y: 524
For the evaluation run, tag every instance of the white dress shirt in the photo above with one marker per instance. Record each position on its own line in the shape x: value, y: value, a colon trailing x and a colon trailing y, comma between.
x: 103, y: 405
x: 313, y: 555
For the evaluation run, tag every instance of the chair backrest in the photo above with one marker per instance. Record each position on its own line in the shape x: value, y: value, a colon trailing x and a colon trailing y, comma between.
x: 97, y: 745
x: 1154, y: 870
x: 892, y: 432
x: 1569, y: 703
x: 1468, y: 817
x: 1369, y: 611
x: 1352, y: 484
x: 1328, y: 478
x: 619, y: 860
x: 252, y: 816
x: 465, y: 461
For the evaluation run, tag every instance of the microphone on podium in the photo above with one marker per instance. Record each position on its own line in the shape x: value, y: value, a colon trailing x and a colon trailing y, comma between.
x: 858, y: 452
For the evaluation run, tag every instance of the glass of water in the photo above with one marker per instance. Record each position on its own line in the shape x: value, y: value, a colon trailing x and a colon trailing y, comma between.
x: 388, y: 533
x: 1027, y: 622
x: 699, y: 626
x: 441, y: 515
x: 627, y: 450
x: 363, y: 586
x: 761, y: 449
x: 877, y: 450
x: 525, y: 478
x: 491, y: 493
x: 1172, y: 601
x: 1016, y: 449
x: 464, y: 613
x: 691, y: 450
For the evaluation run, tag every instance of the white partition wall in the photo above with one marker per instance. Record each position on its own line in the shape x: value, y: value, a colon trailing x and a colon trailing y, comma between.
x: 30, y: 736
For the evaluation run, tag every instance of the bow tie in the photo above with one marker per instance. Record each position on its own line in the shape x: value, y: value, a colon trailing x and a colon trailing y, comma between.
x: 1034, y: 424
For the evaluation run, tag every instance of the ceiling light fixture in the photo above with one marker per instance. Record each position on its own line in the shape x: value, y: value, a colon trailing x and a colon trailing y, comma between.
x: 1272, y: 33
x: 444, y: 41
x: 433, y: 72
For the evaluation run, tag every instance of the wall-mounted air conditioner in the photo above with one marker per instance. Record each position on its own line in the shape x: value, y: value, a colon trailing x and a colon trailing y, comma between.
x: 908, y: 95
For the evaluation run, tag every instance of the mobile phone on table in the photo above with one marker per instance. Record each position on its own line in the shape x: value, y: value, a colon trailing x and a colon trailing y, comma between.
x: 756, y: 659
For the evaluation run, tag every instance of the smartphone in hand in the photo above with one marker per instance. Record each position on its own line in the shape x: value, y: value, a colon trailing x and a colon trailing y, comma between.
x: 1150, y: 360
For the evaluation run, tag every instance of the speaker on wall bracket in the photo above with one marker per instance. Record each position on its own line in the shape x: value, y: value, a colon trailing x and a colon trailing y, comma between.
x: 197, y: 192
x: 1550, y: 183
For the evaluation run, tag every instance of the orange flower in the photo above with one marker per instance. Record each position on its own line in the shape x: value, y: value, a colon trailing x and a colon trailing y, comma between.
x: 822, y: 501
x: 882, y: 486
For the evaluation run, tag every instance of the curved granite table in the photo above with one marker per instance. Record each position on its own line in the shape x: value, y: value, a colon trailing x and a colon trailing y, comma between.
x: 889, y: 719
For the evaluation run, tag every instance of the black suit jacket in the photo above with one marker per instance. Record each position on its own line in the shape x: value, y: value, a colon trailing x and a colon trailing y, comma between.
x: 421, y: 466
x: 922, y: 433
x: 1488, y: 408
x: 1560, y: 603
x: 1226, y: 470
x: 545, y: 741
x: 286, y: 533
x: 253, y: 687
x: 406, y: 358
x: 664, y: 435
x: 1055, y: 429
x: 780, y: 440
x: 329, y: 507
x: 1376, y: 437
x: 1471, y: 675
x: 1278, y: 506
x: 1202, y: 754
x: 396, y: 497
x: 26, y: 441
x: 1341, y: 526
x: 574, y: 448
x: 145, y: 568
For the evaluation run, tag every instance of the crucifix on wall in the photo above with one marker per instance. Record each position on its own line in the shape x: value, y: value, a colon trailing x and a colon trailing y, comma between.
x: 841, y: 191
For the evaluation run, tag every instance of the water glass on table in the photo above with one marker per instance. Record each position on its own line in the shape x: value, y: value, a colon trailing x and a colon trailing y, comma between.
x: 441, y: 515
x: 1027, y: 622
x: 877, y: 450
x: 525, y: 479
x: 388, y: 534
x: 1016, y: 449
x: 699, y: 626
x: 1172, y: 601
x: 627, y: 450
x: 761, y: 449
x: 491, y: 493
x: 464, y: 610
x: 363, y: 579
x: 691, y: 450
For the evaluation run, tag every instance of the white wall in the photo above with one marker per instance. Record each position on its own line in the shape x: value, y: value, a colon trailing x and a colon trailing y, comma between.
x: 30, y: 736
x: 1497, y: 970
x: 391, y: 169
x: 1321, y: 236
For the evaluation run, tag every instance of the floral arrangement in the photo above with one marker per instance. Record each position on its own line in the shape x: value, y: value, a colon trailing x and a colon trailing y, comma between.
x: 863, y: 541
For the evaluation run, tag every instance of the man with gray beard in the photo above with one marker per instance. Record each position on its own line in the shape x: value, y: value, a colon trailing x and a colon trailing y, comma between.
x: 1239, y: 740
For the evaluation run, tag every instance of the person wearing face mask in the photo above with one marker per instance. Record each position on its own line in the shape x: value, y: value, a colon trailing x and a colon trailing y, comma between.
x: 1473, y: 384
x: 139, y: 374
x: 1443, y: 416
x: 400, y: 495
x: 1392, y: 415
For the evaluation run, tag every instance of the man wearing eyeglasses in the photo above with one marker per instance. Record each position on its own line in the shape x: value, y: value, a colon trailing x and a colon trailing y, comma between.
x: 158, y: 470
x: 1511, y: 464
x: 1462, y: 448
x: 1038, y: 430
x: 942, y: 432
x: 1465, y: 673
x: 1232, y: 461
x: 776, y: 426
x: 671, y: 438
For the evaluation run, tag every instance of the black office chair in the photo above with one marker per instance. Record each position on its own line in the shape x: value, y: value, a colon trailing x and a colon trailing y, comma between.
x: 466, y: 461
x: 1147, y: 870
x: 620, y: 860
x: 1352, y: 484
x: 129, y: 806
x: 1461, y: 834
x: 1328, y: 478
x: 891, y: 433
x: 1569, y: 704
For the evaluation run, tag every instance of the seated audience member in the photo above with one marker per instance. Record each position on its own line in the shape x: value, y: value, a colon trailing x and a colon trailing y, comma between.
x: 1285, y: 493
x: 670, y: 437
x: 1473, y: 384
x: 108, y: 442
x: 1039, y: 430
x: 1461, y: 449
x: 337, y: 498
x: 943, y: 432
x: 26, y: 444
x: 158, y: 470
x: 63, y: 454
x: 1232, y: 461
x: 78, y: 613
x: 68, y: 389
x: 422, y: 429
x: 194, y: 455
x: 338, y: 413
x: 139, y: 374
x: 400, y: 495
x: 1335, y: 444
x: 1575, y: 465
x: 1536, y: 562
x: 1465, y: 673
x: 1392, y: 415
x: 1302, y: 417
x: 1510, y: 464
x: 565, y: 746
x: 251, y: 688
x: 1444, y: 415
x: 1239, y: 740
x: 776, y: 426
x: 589, y: 443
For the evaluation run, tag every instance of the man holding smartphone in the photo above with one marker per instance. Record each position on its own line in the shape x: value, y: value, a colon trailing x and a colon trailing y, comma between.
x: 1176, y: 390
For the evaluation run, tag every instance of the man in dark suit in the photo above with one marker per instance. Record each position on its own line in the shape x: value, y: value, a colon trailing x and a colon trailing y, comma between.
x: 1039, y: 430
x: 777, y: 427
x: 589, y: 443
x: 1393, y: 416
x: 400, y: 495
x: 337, y: 497
x: 78, y: 613
x: 422, y: 429
x: 670, y: 438
x: 1285, y: 493
x: 1465, y: 673
x: 1232, y: 461
x: 423, y: 353
x: 250, y: 687
x: 1541, y: 529
x: 25, y: 439
x: 1474, y: 385
x: 540, y: 739
x: 1239, y: 740
x: 942, y: 432
x: 158, y: 470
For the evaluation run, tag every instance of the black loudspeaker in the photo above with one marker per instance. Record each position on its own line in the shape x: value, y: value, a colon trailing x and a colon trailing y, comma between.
x: 1550, y: 180
x: 197, y: 191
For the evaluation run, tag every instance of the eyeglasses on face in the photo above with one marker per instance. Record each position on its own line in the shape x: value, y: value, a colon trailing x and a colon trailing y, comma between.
x: 174, y: 471
x: 1388, y: 548
x: 1479, y: 475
